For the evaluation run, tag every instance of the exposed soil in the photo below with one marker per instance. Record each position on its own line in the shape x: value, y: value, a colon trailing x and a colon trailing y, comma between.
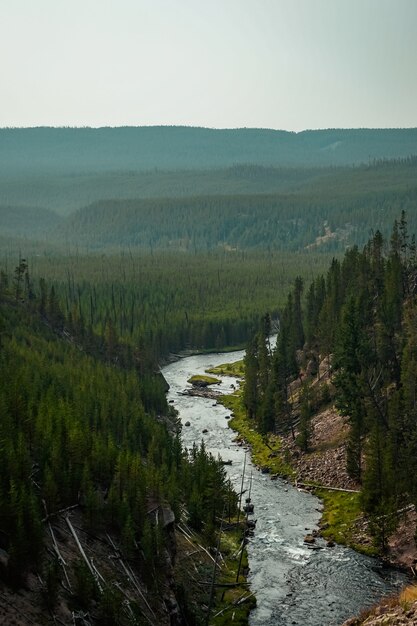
x: 156, y: 603
x: 402, y: 546
x: 325, y: 465
x: 387, y: 613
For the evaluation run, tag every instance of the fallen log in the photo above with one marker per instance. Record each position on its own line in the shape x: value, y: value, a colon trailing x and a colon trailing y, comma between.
x: 83, y: 554
x: 313, y: 486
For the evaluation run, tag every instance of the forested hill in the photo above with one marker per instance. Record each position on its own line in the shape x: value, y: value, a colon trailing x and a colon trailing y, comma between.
x: 319, y: 209
x: 361, y: 316
x: 71, y: 150
x: 88, y: 443
x: 340, y: 208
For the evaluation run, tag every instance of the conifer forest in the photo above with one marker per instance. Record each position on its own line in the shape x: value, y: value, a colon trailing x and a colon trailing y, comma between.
x: 118, y: 257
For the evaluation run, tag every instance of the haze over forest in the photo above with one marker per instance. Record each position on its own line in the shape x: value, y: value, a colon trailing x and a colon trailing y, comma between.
x: 120, y: 247
x: 152, y: 212
x: 97, y: 188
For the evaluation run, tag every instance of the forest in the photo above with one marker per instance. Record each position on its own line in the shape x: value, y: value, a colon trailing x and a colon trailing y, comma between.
x: 238, y: 208
x: 123, y: 248
x: 84, y: 423
x: 72, y: 150
x: 167, y: 302
x: 361, y: 317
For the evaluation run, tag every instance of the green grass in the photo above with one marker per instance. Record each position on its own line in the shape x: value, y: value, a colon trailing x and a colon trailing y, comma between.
x: 228, y: 369
x: 229, y: 548
x: 200, y: 378
x: 197, y: 594
x: 266, y: 450
x: 341, y: 510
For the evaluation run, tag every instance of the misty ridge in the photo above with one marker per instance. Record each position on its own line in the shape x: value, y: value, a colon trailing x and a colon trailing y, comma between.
x: 72, y: 150
x: 197, y: 189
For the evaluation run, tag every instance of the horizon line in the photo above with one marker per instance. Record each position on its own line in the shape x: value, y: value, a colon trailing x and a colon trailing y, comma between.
x: 209, y: 128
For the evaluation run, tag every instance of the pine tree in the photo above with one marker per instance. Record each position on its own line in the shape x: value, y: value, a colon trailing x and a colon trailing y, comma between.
x: 350, y: 359
x: 297, y: 314
x: 378, y: 494
x: 19, y: 277
x: 250, y: 393
x: 305, y: 426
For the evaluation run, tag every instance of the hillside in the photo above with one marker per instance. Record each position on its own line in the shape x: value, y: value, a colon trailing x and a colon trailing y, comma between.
x: 339, y: 392
x: 336, y: 209
x: 24, y: 221
x: 73, y: 150
x: 67, y: 192
x: 65, y: 169
x: 319, y: 209
x: 102, y: 512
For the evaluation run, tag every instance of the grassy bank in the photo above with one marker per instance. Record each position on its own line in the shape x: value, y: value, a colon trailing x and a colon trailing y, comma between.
x: 194, y: 568
x: 228, y: 369
x: 341, y: 510
x: 200, y: 379
x: 233, y: 603
x: 266, y: 450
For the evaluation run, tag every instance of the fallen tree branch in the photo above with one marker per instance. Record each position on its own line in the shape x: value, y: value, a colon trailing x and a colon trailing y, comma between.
x: 68, y: 508
x: 83, y: 554
x: 313, y: 486
x: 131, y: 577
x: 240, y: 600
x: 61, y: 560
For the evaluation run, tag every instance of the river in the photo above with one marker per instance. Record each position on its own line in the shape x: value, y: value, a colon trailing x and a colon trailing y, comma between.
x: 293, y: 584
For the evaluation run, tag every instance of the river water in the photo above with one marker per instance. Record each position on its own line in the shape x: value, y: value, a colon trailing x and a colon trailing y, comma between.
x: 293, y: 584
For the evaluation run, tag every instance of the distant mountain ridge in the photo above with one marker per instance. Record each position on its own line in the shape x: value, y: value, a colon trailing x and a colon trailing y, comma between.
x: 73, y: 150
x: 243, y: 207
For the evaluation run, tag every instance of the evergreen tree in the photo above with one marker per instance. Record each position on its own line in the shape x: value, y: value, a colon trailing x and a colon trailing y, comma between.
x: 250, y: 394
x: 350, y: 358
x: 306, y: 412
x: 378, y: 492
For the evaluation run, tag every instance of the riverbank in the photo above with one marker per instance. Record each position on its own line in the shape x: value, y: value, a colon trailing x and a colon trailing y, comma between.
x: 294, y: 582
x: 321, y: 470
x: 342, y: 519
x: 208, y: 577
x: 398, y: 610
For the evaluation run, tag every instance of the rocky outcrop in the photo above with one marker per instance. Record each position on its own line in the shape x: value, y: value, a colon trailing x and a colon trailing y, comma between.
x: 326, y: 463
x: 201, y: 392
x: 383, y: 615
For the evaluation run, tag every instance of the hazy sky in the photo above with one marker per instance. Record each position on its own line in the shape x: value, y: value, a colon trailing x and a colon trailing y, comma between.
x: 286, y: 64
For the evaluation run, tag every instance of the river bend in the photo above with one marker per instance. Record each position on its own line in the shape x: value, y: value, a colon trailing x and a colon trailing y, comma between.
x: 293, y: 584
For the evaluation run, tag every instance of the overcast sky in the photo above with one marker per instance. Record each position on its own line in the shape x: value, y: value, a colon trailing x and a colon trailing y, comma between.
x: 285, y: 64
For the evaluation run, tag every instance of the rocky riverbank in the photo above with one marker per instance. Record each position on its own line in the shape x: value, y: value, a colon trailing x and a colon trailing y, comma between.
x: 396, y: 611
x: 325, y: 465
